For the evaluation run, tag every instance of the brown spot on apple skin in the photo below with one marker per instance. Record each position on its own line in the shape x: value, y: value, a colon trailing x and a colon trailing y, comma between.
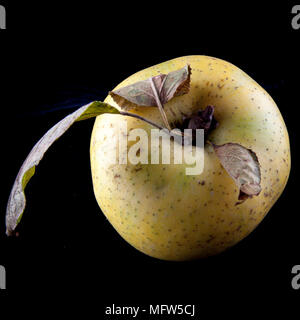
x: 211, y: 238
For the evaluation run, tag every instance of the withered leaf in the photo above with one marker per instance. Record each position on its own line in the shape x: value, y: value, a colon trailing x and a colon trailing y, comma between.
x: 17, y: 200
x: 203, y: 119
x: 141, y: 93
x: 243, y: 166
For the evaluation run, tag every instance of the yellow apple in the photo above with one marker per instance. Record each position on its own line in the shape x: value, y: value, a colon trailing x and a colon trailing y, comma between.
x: 169, y: 215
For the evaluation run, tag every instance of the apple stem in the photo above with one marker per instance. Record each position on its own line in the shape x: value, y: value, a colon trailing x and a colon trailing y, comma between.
x: 133, y: 115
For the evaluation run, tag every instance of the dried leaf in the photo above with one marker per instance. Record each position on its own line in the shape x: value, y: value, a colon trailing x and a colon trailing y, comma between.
x: 243, y: 166
x: 17, y: 201
x: 141, y: 93
x: 203, y: 119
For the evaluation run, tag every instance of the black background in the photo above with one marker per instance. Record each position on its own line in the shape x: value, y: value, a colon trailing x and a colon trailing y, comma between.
x: 55, y: 58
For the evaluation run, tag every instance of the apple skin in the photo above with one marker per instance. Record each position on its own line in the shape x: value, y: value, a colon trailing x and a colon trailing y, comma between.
x: 169, y: 215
